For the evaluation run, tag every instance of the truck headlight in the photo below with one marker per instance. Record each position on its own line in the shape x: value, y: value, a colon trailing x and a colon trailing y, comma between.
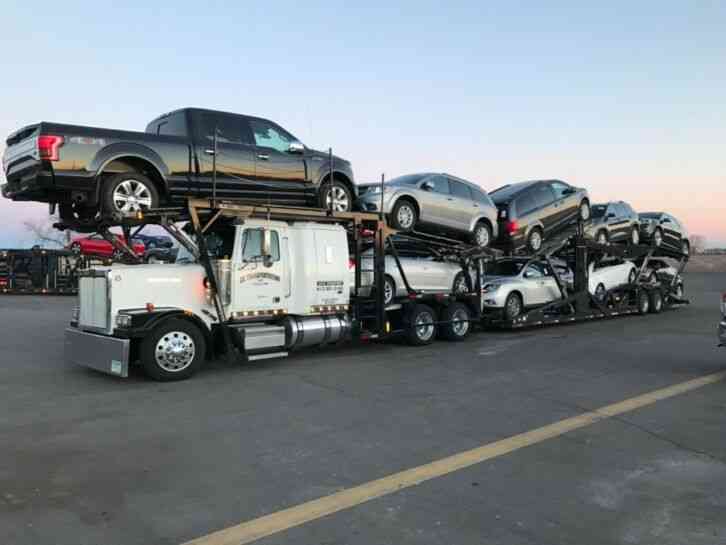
x: 123, y: 320
x: 75, y: 314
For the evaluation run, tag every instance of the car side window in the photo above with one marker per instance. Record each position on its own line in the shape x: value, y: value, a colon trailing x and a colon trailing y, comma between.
x: 174, y: 125
x: 526, y: 203
x: 559, y: 188
x: 252, y: 245
x: 269, y: 135
x: 481, y: 197
x: 543, y: 195
x: 440, y: 183
x: 533, y: 270
x: 230, y: 129
x: 460, y: 190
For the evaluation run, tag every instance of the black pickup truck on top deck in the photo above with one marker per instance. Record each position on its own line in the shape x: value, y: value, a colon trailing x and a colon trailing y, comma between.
x: 93, y: 172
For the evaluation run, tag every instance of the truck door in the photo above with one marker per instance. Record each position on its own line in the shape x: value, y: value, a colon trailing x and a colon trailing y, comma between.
x: 259, y: 281
x: 235, y: 164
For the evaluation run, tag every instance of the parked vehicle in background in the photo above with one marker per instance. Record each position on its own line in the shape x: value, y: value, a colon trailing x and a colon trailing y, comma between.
x: 161, y: 255
x: 425, y: 270
x: 607, y: 274
x: 530, y: 212
x: 613, y: 222
x: 438, y: 203
x: 516, y: 284
x: 660, y: 228
x: 88, y: 171
x: 97, y: 246
x: 153, y: 241
x: 660, y: 270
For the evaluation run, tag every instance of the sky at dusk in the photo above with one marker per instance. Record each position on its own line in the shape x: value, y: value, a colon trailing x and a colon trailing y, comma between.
x: 627, y: 99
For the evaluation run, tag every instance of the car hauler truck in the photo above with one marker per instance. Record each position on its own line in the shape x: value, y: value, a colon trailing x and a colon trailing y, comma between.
x: 280, y: 280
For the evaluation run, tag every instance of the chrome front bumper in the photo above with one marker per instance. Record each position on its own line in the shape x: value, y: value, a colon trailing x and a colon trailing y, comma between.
x: 100, y: 352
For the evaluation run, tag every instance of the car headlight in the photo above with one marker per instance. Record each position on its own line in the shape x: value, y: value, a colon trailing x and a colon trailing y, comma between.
x: 123, y: 320
x: 490, y: 287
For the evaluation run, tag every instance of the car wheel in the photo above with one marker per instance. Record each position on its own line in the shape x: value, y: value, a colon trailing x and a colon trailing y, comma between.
x: 127, y: 193
x: 585, y: 210
x: 456, y: 324
x: 534, y: 240
x: 459, y: 286
x: 657, y: 237
x: 632, y: 276
x: 174, y: 350
x: 336, y: 197
x: 602, y: 237
x: 643, y: 302
x: 389, y: 290
x: 76, y: 248
x: 600, y: 293
x: 685, y: 247
x: 635, y: 236
x: 656, y: 301
x: 513, y: 306
x: 118, y: 255
x: 420, y: 326
x: 403, y: 215
x: 482, y: 234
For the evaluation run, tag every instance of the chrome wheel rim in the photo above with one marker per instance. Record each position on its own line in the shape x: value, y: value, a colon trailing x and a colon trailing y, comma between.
x: 585, y: 211
x: 387, y: 292
x: 175, y: 351
x: 535, y: 240
x: 404, y: 216
x: 460, y: 323
x: 513, y: 307
x: 424, y: 326
x: 337, y: 199
x: 482, y: 236
x: 131, y: 196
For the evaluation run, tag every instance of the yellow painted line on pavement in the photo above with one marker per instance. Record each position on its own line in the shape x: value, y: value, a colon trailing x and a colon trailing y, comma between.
x: 280, y: 521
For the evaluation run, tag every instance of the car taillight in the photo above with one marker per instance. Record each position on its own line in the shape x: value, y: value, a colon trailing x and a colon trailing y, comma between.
x: 48, y: 146
x: 512, y: 227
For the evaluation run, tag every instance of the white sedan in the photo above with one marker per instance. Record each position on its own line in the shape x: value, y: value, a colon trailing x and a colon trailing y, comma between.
x: 608, y: 274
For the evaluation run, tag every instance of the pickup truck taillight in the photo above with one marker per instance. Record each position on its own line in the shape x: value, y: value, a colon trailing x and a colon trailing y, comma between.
x: 48, y: 146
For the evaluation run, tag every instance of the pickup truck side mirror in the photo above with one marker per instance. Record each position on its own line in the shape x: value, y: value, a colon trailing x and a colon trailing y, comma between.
x: 295, y: 147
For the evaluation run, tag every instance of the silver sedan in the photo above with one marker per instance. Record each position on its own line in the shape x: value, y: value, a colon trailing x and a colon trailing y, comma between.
x: 438, y: 203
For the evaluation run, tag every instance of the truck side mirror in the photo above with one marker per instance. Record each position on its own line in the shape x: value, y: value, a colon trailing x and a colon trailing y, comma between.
x: 266, y: 245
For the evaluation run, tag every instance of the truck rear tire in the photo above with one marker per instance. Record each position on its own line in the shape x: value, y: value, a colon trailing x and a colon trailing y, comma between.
x: 420, y: 326
x: 174, y: 350
x: 126, y: 193
x: 643, y: 302
x: 656, y: 301
x: 458, y: 316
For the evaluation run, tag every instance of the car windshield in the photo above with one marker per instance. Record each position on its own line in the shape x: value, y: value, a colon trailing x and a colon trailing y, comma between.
x: 504, y: 193
x: 408, y: 179
x: 651, y: 215
x: 598, y: 210
x: 506, y: 268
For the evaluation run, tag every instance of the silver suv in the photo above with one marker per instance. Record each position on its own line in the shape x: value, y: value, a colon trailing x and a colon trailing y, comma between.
x: 438, y: 203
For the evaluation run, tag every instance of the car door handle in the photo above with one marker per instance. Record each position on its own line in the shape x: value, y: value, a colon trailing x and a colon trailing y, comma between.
x: 263, y: 156
x: 209, y: 151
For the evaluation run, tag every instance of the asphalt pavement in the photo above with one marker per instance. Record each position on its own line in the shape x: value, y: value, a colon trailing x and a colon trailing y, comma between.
x: 87, y: 458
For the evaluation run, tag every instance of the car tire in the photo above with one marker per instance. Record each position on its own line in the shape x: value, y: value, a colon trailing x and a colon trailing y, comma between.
x: 635, y: 236
x: 535, y: 240
x: 457, y: 322
x: 585, y: 210
x: 513, y: 306
x: 600, y: 293
x: 159, y: 350
x: 656, y: 301
x: 459, y: 286
x: 658, y: 237
x: 643, y: 302
x: 404, y: 215
x: 602, y: 237
x: 389, y: 290
x: 632, y: 276
x: 341, y: 195
x: 76, y: 248
x: 482, y: 235
x: 420, y: 326
x: 135, y: 190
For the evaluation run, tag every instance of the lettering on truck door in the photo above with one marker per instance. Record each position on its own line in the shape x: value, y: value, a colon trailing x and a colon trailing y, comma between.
x: 259, y: 281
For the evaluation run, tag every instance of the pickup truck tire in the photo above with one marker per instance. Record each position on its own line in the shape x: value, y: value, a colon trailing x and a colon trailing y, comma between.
x: 174, y: 350
x: 420, y: 326
x: 342, y: 196
x: 458, y: 316
x: 128, y: 192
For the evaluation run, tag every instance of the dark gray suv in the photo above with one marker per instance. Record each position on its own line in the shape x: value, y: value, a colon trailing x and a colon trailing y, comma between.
x: 613, y: 222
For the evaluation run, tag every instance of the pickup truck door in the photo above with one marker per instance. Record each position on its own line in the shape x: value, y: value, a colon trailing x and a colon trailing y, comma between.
x: 235, y: 163
x: 259, y: 283
x: 280, y: 173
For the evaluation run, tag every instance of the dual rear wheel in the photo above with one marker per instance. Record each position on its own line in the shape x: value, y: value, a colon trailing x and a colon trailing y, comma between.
x: 422, y: 328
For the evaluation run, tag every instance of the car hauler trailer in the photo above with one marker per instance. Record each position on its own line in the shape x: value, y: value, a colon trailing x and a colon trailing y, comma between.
x: 38, y: 271
x: 267, y: 280
x: 577, y: 303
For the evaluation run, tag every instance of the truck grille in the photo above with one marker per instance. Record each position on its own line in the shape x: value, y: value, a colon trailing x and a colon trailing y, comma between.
x: 93, y: 302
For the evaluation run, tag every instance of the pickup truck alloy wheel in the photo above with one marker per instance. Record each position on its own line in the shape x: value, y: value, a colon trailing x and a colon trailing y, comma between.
x: 129, y: 192
x: 337, y: 198
x: 173, y: 350
x: 482, y: 235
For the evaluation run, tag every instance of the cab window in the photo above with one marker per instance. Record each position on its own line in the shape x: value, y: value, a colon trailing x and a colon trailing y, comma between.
x: 252, y: 240
x: 174, y: 125
x: 460, y: 190
x: 231, y: 129
x: 269, y: 135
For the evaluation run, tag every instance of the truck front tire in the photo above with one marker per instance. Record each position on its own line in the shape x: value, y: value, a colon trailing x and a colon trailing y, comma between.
x: 174, y: 350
